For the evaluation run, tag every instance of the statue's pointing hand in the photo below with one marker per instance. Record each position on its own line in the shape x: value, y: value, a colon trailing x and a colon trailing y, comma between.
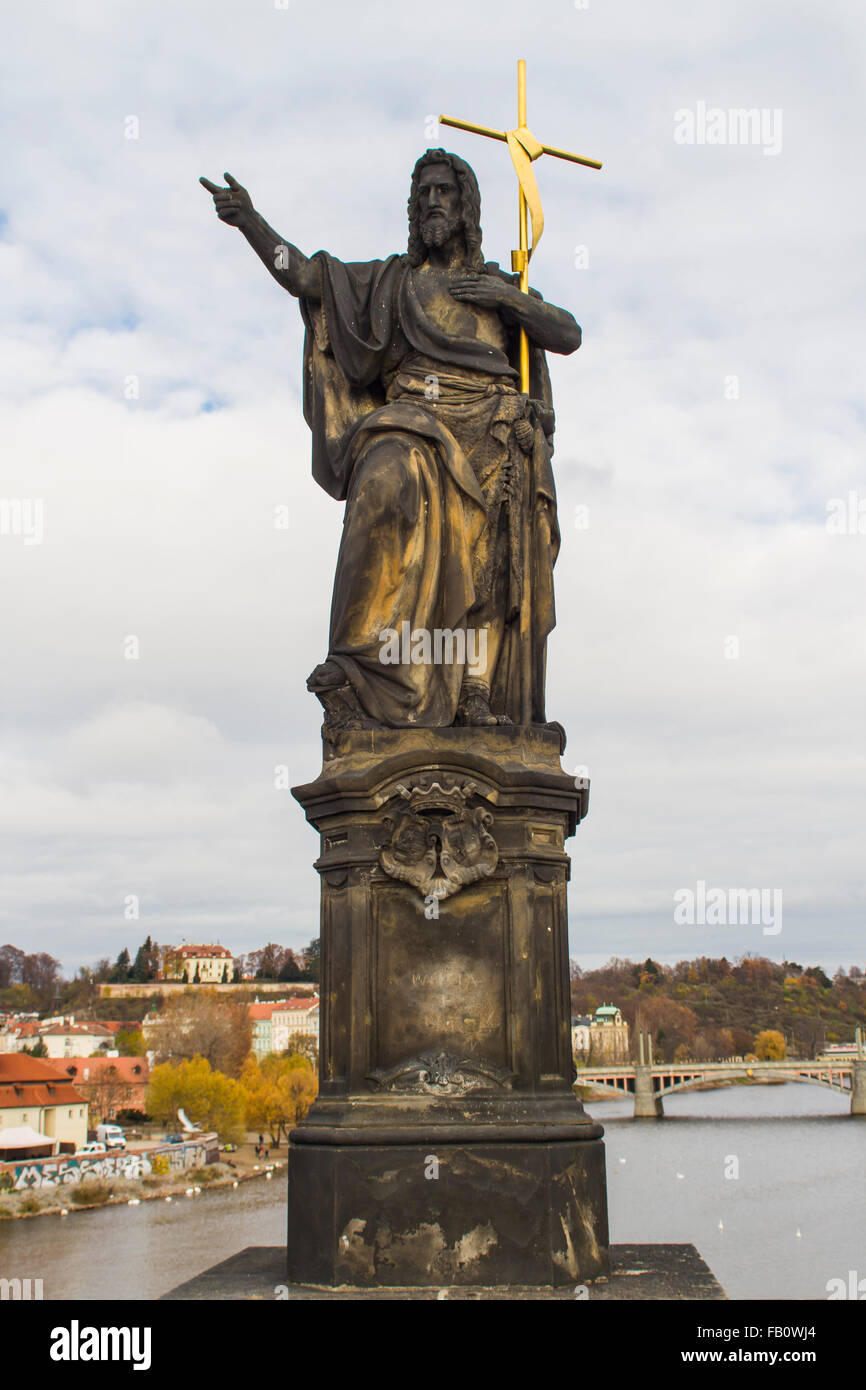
x: 233, y: 204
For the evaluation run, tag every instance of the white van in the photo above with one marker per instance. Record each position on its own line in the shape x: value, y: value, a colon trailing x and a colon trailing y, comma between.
x: 112, y: 1136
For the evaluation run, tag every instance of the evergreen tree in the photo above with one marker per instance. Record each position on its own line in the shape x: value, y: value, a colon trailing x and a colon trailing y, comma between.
x: 146, y: 965
x: 120, y: 971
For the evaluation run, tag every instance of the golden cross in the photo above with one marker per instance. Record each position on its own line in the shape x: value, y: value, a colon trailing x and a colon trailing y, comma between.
x: 524, y: 148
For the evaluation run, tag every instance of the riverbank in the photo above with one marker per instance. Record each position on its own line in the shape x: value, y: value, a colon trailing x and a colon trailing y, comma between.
x: 242, y: 1167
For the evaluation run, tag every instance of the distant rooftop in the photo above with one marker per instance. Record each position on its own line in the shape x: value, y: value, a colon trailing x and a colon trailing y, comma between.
x: 191, y: 951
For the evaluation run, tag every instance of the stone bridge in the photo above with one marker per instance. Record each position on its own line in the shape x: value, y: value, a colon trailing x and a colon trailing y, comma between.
x: 649, y: 1082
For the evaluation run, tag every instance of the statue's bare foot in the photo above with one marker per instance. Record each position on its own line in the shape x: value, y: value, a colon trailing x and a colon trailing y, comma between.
x: 475, y: 711
x: 327, y: 676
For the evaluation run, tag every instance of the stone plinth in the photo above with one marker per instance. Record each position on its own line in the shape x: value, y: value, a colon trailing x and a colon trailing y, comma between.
x: 446, y: 1145
x: 638, y: 1273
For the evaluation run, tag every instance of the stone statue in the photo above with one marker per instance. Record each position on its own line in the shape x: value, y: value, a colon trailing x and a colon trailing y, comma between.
x: 443, y: 594
x: 442, y: 809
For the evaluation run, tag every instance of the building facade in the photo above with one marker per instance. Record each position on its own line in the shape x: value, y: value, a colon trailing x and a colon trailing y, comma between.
x: 78, y: 1039
x: 16, y: 1034
x: 293, y: 1020
x: 200, y: 965
x: 608, y: 1036
x: 34, y: 1095
x: 279, y: 1025
x: 260, y: 1020
x: 109, y: 1084
x: 580, y: 1035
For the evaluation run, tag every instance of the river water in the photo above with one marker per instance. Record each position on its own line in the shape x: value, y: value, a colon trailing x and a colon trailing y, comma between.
x: 793, y: 1218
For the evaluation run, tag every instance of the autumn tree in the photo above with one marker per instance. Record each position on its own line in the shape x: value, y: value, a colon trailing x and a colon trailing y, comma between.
x: 80, y: 994
x: 208, y: 1098
x: 203, y: 1024
x: 279, y: 1091
x: 307, y: 1047
x: 36, y: 976
x: 130, y: 1042
x: 770, y: 1046
x: 105, y: 1093
x: 673, y: 1025
x: 42, y: 976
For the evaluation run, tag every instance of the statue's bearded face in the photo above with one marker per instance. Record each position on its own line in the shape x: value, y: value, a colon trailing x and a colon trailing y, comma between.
x: 439, y: 204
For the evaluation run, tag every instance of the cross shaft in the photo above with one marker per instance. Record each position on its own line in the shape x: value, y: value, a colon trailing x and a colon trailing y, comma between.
x: 524, y: 148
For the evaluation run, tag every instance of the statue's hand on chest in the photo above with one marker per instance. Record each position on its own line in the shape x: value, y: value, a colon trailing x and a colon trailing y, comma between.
x: 460, y: 318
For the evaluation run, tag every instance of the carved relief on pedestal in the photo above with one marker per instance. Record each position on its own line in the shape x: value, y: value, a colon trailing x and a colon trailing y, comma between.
x: 441, y: 1074
x: 438, y: 843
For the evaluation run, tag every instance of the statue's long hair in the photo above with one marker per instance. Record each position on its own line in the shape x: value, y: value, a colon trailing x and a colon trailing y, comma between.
x: 470, y: 205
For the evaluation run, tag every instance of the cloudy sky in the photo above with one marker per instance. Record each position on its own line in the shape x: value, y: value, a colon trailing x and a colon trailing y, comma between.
x: 708, y: 662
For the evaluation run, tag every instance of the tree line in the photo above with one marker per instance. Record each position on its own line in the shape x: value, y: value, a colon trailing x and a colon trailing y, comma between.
x: 271, y: 962
x: 33, y: 982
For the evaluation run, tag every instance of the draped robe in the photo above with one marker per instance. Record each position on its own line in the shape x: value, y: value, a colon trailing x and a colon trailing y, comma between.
x: 413, y: 427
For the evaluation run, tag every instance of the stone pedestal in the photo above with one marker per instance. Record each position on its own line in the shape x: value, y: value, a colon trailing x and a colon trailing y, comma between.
x: 446, y: 1145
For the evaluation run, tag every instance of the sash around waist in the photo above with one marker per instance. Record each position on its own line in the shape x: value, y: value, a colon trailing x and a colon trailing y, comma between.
x: 416, y: 378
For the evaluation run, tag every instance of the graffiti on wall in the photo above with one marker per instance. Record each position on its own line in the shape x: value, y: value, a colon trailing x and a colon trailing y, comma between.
x: 72, y: 1168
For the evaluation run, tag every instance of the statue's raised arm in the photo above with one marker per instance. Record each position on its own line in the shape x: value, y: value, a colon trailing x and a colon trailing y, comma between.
x: 290, y: 267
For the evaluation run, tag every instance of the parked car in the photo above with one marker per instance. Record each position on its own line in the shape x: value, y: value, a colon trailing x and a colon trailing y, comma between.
x: 93, y: 1149
x: 174, y: 1139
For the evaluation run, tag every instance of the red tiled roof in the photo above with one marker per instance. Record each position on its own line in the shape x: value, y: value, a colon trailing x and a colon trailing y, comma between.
x: 222, y: 951
x: 260, y: 1011
x: 31, y: 1081
x: 21, y: 1030
x: 266, y: 1010
x: 57, y: 1092
x: 90, y: 1030
x: 17, y: 1069
x: 131, y: 1071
